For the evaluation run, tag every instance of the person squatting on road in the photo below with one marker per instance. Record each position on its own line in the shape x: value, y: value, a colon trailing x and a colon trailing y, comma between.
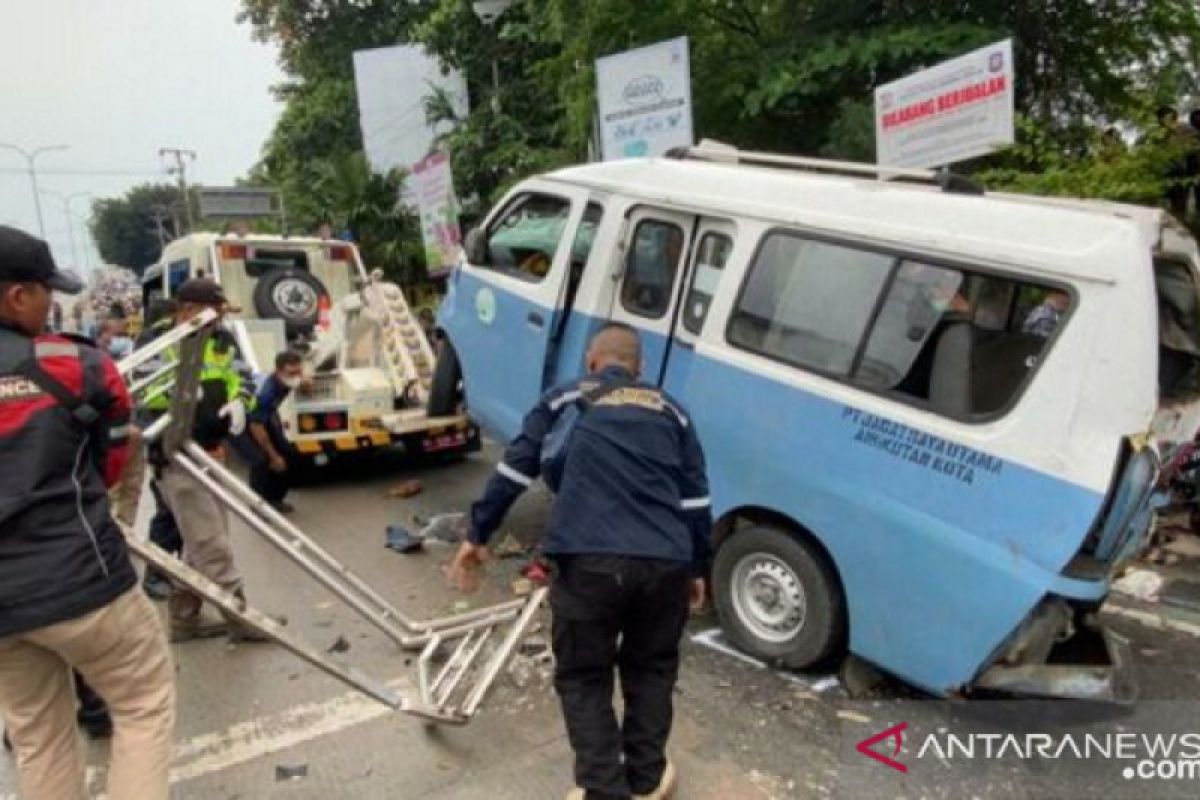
x: 269, y: 446
x: 203, y: 522
x: 629, y: 539
x: 68, y: 592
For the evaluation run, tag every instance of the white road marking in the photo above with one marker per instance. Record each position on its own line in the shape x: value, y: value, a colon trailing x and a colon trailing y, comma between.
x: 1152, y: 620
x: 255, y: 738
x: 713, y: 640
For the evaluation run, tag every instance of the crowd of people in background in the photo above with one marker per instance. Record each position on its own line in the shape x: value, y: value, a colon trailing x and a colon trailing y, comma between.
x: 1183, y: 173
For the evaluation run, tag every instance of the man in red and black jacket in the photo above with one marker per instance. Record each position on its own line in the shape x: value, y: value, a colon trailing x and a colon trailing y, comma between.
x: 68, y: 592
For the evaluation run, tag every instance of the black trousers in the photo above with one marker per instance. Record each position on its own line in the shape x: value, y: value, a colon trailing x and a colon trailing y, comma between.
x: 164, y: 531
x: 625, y: 615
x: 267, y: 484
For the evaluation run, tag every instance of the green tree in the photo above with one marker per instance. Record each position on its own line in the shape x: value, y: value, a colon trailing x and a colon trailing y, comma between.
x: 351, y: 197
x: 125, y: 228
x: 782, y: 75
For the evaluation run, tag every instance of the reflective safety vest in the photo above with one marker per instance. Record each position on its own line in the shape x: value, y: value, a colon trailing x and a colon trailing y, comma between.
x: 220, y: 382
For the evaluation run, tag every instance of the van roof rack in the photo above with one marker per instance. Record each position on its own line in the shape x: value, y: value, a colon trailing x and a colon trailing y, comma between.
x: 709, y: 150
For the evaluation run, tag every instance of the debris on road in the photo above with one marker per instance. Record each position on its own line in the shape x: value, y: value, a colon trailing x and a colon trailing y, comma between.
x: 340, y: 645
x: 509, y: 547
x: 284, y: 772
x: 532, y: 664
x: 853, y: 716
x: 1140, y: 584
x: 402, y: 541
x: 406, y: 489
x: 522, y: 587
x: 449, y: 527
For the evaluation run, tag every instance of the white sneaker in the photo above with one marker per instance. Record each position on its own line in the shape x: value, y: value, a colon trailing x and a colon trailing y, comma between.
x: 666, y: 785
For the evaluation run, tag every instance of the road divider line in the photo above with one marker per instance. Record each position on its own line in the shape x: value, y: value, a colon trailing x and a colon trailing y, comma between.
x: 246, y: 741
x: 713, y: 639
x: 1150, y: 619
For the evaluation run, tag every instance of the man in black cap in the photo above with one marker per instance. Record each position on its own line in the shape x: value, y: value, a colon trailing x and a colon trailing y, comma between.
x: 203, y: 523
x: 68, y: 592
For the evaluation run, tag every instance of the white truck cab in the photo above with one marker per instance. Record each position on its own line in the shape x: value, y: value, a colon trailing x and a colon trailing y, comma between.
x: 368, y: 362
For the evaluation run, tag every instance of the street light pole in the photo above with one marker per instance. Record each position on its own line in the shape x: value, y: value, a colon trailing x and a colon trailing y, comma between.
x: 29, y: 156
x: 69, y: 217
x: 488, y: 12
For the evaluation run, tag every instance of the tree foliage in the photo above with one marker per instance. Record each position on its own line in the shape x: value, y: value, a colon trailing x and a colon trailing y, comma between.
x: 793, y: 76
x: 125, y: 230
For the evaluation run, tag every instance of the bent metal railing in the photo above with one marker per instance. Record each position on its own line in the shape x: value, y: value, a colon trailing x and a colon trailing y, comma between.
x: 455, y: 646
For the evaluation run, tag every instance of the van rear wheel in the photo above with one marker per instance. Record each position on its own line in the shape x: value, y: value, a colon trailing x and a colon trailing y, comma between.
x: 445, y: 391
x: 777, y: 597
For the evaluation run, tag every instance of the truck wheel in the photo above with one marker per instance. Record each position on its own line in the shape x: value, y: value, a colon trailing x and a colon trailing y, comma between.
x: 291, y: 295
x: 777, y: 597
x: 445, y: 392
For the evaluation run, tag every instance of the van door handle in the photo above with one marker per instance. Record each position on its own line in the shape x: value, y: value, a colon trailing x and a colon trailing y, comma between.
x: 536, y: 319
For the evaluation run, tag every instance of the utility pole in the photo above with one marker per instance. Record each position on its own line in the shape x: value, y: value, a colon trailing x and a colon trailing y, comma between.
x: 180, y: 170
x: 160, y: 214
x: 29, y: 156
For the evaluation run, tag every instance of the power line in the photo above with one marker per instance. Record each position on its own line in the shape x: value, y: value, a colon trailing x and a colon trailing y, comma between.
x: 101, y: 172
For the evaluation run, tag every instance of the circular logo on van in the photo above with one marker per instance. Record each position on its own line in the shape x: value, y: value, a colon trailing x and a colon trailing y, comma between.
x: 485, y: 306
x: 643, y: 91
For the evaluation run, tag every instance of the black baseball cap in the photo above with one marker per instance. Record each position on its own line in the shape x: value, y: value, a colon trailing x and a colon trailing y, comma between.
x: 27, y: 258
x: 202, y: 292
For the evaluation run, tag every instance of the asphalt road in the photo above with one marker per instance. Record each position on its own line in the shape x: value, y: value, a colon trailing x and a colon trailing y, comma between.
x: 742, y: 731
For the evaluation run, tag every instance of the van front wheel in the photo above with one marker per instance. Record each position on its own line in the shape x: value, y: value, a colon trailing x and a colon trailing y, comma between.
x: 777, y: 597
x: 445, y: 391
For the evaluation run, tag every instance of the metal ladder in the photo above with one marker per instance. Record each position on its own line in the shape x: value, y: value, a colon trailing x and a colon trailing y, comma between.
x: 407, y: 352
x: 477, y: 642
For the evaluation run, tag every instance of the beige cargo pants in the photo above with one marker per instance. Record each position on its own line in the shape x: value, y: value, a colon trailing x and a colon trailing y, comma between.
x: 121, y: 651
x: 204, y: 526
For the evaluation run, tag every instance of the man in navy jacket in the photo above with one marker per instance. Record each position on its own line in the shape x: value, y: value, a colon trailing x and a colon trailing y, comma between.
x: 629, y: 538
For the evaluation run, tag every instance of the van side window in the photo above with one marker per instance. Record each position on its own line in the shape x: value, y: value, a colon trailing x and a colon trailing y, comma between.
x: 954, y: 341
x: 178, y: 272
x: 650, y: 268
x: 524, y: 241
x: 808, y: 303
x: 959, y: 342
x: 711, y: 256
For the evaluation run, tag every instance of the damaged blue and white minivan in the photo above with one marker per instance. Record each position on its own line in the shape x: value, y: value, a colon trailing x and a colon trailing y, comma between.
x: 932, y: 414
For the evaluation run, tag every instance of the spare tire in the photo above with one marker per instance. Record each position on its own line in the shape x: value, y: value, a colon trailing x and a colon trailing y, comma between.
x: 291, y: 295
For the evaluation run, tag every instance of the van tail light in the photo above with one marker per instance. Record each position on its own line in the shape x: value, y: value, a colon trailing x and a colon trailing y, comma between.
x: 234, y: 252
x: 339, y: 254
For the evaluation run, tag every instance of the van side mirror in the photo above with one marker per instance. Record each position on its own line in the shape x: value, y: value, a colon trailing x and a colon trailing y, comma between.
x: 476, y: 247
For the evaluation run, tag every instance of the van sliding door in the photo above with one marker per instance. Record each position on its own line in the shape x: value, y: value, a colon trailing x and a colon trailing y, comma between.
x: 655, y: 253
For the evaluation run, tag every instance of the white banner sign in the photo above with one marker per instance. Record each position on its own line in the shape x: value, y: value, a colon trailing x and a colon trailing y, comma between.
x: 392, y: 85
x: 433, y: 185
x: 959, y: 109
x: 645, y: 99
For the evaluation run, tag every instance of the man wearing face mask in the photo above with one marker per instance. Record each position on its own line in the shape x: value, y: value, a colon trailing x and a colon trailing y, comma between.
x: 268, y: 469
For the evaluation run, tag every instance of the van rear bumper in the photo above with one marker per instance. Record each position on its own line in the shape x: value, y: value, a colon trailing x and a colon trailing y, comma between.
x: 1063, y: 651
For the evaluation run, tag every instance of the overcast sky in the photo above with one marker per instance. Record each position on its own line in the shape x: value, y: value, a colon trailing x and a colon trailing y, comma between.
x: 115, y: 80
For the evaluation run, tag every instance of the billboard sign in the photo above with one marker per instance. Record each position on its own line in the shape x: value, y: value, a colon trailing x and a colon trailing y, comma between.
x: 393, y: 84
x: 645, y: 99
x: 432, y: 183
x: 238, y: 201
x: 959, y: 109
